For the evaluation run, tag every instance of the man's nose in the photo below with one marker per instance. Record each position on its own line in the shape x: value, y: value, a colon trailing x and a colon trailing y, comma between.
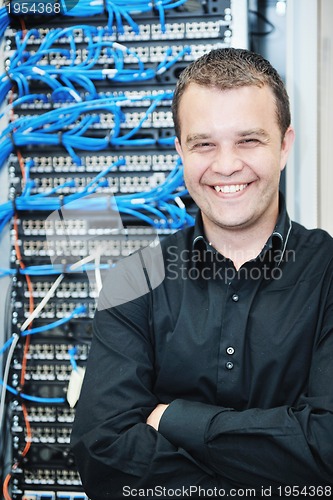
x: 226, y: 162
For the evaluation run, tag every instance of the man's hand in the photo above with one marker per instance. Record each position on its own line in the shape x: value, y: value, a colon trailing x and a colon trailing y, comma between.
x: 155, y: 416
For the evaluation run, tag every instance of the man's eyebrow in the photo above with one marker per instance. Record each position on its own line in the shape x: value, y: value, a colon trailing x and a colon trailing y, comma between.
x: 195, y: 137
x: 255, y: 131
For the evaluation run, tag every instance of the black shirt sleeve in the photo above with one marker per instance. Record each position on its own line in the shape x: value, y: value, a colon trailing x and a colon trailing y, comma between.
x: 113, y: 445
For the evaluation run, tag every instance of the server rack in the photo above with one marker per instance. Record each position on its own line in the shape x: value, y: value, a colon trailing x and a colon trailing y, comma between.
x: 87, y: 108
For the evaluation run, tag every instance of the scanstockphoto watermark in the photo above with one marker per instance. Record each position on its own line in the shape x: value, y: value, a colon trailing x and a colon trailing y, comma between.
x: 187, y: 492
x: 88, y: 235
x: 205, y: 264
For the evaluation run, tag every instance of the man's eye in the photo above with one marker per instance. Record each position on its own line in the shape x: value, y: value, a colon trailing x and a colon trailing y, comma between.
x: 249, y: 141
x: 204, y: 145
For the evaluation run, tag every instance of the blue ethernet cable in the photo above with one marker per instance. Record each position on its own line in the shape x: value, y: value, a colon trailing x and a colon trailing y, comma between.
x: 55, y: 324
x: 6, y: 272
x: 78, y: 310
x: 149, y: 206
x: 51, y: 270
x: 72, y: 351
x: 47, y: 128
x: 115, y: 9
x: 34, y: 399
x: 23, y: 67
x: 42, y: 201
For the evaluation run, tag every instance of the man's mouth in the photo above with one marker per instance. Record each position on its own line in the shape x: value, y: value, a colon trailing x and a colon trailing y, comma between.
x: 231, y: 188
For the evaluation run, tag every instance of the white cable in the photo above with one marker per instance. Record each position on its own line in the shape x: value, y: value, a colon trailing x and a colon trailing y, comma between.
x: 5, y: 377
x: 57, y: 282
x: 81, y: 262
x: 42, y: 303
x: 98, y: 276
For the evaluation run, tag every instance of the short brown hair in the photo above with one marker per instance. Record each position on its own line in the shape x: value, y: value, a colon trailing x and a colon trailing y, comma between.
x: 231, y: 68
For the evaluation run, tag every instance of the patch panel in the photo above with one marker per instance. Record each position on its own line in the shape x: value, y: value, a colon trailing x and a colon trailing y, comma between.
x: 43, y: 184
x: 39, y: 248
x: 41, y: 352
x: 46, y: 495
x: 67, y: 495
x: 156, y: 53
x: 172, y: 31
x: 143, y: 92
x: 210, y: 29
x: 53, y: 357
x: 68, y: 477
x: 66, y: 290
x: 132, y: 118
x: 140, y: 183
x: 114, y: 183
x: 198, y: 10
x: 52, y: 350
x: 42, y: 227
x: 55, y: 310
x: 47, y: 435
x: 41, y: 476
x: 44, y: 414
x: 48, y: 372
x: 57, y: 164
x: 77, y: 228
x: 112, y: 246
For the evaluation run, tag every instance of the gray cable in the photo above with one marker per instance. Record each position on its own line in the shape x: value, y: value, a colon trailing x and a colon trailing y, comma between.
x: 5, y: 377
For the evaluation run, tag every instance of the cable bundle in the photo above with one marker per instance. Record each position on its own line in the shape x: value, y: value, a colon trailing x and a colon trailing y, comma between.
x: 79, y: 67
x: 68, y: 126
x: 117, y: 11
x: 160, y: 207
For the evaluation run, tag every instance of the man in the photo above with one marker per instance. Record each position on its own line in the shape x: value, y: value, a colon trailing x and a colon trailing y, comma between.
x: 219, y: 381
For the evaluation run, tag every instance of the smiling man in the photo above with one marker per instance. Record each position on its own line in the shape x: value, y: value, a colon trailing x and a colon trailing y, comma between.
x: 233, y: 156
x: 219, y: 381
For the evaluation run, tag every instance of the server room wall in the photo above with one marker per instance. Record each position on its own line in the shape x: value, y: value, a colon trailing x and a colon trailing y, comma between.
x: 85, y: 97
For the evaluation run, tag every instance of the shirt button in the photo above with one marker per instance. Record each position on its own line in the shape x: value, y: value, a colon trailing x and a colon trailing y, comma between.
x: 230, y: 350
x: 235, y: 297
x: 229, y: 365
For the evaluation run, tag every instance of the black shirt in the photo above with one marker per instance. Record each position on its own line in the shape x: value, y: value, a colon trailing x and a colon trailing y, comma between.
x: 245, y: 359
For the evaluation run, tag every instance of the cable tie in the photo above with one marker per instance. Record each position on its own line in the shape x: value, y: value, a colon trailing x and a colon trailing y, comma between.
x: 61, y: 201
x: 60, y: 134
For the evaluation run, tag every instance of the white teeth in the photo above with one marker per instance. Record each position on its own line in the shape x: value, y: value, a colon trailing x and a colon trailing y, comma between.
x: 234, y: 188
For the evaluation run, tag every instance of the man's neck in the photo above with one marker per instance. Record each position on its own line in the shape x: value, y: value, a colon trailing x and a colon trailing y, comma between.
x: 239, y: 244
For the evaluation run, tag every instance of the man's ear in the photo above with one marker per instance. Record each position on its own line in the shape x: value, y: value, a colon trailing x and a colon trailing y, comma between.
x: 178, y: 148
x: 286, y: 146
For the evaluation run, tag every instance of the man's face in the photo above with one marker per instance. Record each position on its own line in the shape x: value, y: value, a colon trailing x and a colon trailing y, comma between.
x: 232, y: 153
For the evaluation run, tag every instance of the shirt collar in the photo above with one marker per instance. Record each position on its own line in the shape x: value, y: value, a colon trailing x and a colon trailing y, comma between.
x: 277, y: 241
